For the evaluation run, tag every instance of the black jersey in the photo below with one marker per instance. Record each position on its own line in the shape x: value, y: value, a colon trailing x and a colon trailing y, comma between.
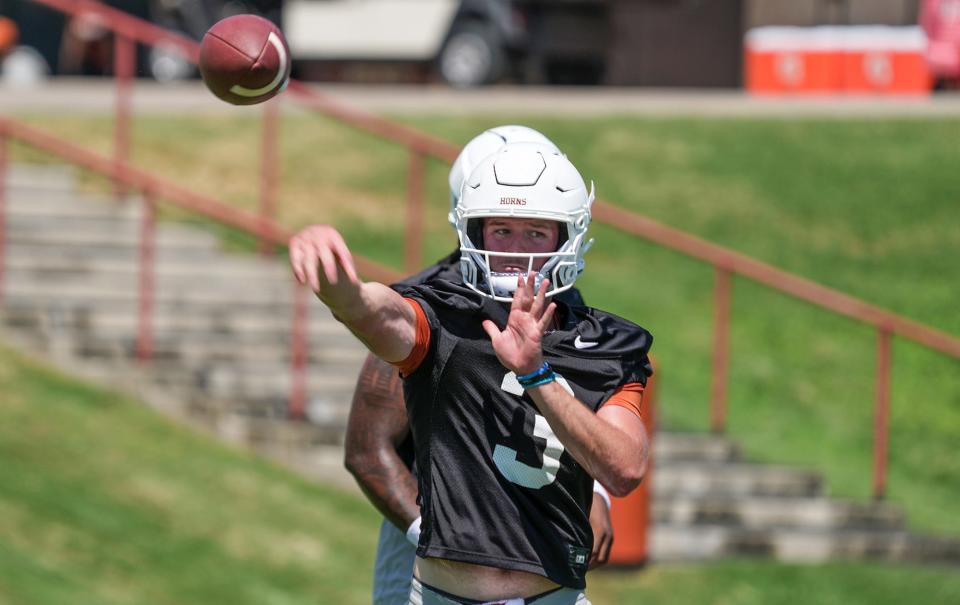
x: 448, y: 269
x: 497, y: 487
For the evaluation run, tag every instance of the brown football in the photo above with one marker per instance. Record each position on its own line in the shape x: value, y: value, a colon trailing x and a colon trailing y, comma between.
x: 244, y: 59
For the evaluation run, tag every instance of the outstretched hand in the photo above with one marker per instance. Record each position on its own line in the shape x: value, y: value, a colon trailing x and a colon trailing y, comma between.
x: 320, y: 247
x: 518, y: 346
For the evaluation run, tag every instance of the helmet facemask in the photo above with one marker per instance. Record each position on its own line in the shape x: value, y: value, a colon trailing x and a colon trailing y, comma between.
x: 562, y: 267
x: 557, y: 193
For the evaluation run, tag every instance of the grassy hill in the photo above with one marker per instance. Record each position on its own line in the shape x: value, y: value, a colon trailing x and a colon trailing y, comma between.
x: 103, y: 502
x: 867, y: 206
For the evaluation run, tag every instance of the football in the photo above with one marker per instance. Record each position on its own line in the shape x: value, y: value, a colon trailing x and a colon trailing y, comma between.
x: 244, y: 59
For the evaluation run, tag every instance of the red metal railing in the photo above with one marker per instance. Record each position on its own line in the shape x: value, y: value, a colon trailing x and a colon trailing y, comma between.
x: 153, y: 189
x: 420, y: 146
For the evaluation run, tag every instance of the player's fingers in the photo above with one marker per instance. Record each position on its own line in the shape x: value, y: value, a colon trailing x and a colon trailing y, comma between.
x: 539, y: 300
x: 601, y: 551
x: 544, y: 322
x: 527, y: 292
x: 491, y: 329
x: 544, y: 286
x: 310, y: 265
x: 516, y: 303
x: 527, y: 286
x: 605, y: 546
x: 344, y: 259
x: 342, y: 252
x: 296, y: 260
x: 594, y: 554
x: 329, y: 263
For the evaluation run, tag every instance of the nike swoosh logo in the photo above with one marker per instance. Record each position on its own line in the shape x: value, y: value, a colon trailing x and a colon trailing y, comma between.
x: 580, y: 344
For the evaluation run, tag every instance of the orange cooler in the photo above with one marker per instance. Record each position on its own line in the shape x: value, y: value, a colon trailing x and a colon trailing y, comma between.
x: 886, y: 60
x: 793, y: 60
x: 837, y: 60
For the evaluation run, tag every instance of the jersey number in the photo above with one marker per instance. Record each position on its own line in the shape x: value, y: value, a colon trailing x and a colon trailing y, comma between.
x: 505, y: 457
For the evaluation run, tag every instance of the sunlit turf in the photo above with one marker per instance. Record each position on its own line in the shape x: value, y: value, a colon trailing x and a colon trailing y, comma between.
x: 744, y: 582
x: 104, y: 501
x: 866, y: 206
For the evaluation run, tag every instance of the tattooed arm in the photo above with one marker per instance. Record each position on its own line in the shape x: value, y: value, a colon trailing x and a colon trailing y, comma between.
x: 375, y: 429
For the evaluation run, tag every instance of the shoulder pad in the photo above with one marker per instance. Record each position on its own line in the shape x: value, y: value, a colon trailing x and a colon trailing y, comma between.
x: 604, y: 335
x: 447, y: 268
x: 441, y: 294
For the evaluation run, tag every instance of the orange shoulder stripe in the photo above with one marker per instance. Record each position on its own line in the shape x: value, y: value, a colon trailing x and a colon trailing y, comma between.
x: 629, y: 396
x: 422, y: 344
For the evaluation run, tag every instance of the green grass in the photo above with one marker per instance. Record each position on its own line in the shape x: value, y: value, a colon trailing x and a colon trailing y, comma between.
x: 741, y: 582
x: 866, y: 206
x: 104, y: 502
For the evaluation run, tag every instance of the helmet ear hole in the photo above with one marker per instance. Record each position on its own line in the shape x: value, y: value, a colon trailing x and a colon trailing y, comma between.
x: 475, y: 231
x: 562, y: 236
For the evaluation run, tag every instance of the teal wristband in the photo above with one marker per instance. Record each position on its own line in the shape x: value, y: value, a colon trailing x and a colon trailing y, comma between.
x: 537, y: 374
x: 540, y: 381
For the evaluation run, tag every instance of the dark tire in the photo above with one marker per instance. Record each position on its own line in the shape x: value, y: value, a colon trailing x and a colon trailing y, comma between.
x: 471, y: 57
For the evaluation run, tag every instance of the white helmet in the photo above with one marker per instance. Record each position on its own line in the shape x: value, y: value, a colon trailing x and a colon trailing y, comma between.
x: 481, y: 147
x: 524, y: 180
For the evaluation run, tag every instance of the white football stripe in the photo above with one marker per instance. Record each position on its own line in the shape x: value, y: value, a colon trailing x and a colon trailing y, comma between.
x: 256, y: 92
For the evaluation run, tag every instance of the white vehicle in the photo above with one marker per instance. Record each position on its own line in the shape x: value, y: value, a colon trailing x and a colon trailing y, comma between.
x: 470, y: 42
x: 467, y: 39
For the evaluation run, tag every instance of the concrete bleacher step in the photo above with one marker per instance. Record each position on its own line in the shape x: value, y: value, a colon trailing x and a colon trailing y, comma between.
x: 40, y: 176
x: 330, y: 346
x: 221, y: 350
x: 774, y: 512
x: 734, y: 479
x: 172, y: 314
x: 247, y: 378
x: 676, y: 542
x: 80, y: 286
x: 192, y: 329
x: 110, y: 250
x: 262, y: 380
x: 114, y: 294
x: 219, y: 268
x: 246, y: 288
x: 41, y: 208
x: 62, y: 197
x: 54, y: 209
x: 296, y: 442
x: 687, y: 447
x: 260, y: 390
x: 110, y: 237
